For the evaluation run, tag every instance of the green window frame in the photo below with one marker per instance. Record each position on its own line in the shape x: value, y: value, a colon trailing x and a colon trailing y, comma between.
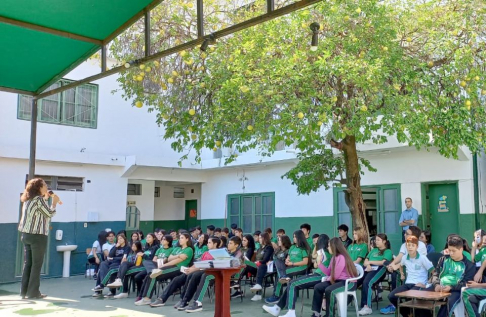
x: 132, y: 218
x: 77, y: 107
x: 252, y: 212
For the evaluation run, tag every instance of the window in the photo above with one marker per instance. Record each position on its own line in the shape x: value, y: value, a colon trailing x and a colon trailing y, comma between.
x: 133, y: 218
x: 61, y: 182
x: 252, y: 212
x: 157, y: 192
x: 134, y: 189
x: 178, y: 192
x: 75, y: 107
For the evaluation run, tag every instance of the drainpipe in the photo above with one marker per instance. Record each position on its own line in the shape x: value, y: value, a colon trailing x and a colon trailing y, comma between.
x: 476, y: 191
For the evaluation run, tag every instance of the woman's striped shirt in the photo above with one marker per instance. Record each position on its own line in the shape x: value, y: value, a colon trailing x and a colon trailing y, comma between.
x: 36, y: 216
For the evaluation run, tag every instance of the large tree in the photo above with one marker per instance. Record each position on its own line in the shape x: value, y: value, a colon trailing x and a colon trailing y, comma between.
x: 409, y: 69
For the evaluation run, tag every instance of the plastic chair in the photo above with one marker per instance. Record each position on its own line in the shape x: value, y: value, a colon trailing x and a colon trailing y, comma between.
x: 481, y: 307
x: 342, y: 297
x: 87, y: 268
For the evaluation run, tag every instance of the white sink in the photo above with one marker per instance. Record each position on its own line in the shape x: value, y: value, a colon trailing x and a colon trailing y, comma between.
x: 63, y: 248
x: 67, y: 257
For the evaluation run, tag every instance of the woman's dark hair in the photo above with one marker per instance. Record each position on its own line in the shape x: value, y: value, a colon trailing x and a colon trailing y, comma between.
x: 138, y: 245
x: 301, y: 241
x: 250, y: 247
x: 123, y: 237
x: 428, y: 236
x: 322, y: 242
x: 102, y: 238
x: 337, y: 248
x: 266, y: 239
x: 383, y: 236
x: 155, y: 240
x: 131, y: 236
x: 32, y: 189
x: 188, y: 238
x: 169, y: 239
x: 315, y: 235
x: 140, y: 234
x: 216, y: 241
x: 205, y: 241
x: 122, y: 231
x: 465, y: 245
x: 303, y: 244
x: 286, y: 243
x: 224, y: 241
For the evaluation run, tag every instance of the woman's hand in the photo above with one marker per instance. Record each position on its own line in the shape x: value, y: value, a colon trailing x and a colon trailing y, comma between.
x: 368, y: 268
x: 97, y: 260
x: 55, y: 199
x: 478, y: 276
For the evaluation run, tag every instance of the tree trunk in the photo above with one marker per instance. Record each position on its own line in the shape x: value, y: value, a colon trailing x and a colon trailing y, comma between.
x: 353, y: 193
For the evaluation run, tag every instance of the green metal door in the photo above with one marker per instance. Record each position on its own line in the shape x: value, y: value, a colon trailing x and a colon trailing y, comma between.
x: 389, y: 210
x: 444, y: 212
x: 191, y: 213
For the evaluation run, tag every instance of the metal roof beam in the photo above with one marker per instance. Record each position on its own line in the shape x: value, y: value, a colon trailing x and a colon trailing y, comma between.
x: 188, y: 45
x: 47, y: 30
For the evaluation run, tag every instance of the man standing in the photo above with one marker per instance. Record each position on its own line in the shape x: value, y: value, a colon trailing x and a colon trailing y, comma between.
x: 409, y: 217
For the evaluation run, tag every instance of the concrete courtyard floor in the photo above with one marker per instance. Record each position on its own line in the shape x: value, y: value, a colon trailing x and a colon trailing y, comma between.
x: 72, y: 297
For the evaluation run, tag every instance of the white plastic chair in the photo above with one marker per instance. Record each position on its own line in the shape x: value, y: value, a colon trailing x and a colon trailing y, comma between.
x: 342, y: 297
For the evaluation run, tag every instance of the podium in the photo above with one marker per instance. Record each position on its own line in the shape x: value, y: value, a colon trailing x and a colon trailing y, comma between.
x: 222, y: 278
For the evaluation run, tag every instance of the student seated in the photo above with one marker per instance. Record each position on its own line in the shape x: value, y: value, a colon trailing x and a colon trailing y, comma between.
x: 134, y: 238
x: 197, y: 294
x: 417, y: 267
x: 201, y: 247
x: 150, y: 248
x: 180, y: 256
x: 453, y: 271
x: 426, y: 238
x: 256, y: 237
x: 306, y: 229
x: 358, y: 249
x: 263, y: 256
x: 96, y: 255
x: 375, y: 270
x: 111, y: 264
x: 340, y: 269
x: 472, y: 295
x: 110, y: 243
x: 289, y: 297
x: 130, y: 265
x: 295, y: 262
x: 343, y: 235
x: 315, y: 237
x: 191, y: 275
x: 248, y: 250
x: 466, y: 251
x: 272, y: 238
x: 478, y: 252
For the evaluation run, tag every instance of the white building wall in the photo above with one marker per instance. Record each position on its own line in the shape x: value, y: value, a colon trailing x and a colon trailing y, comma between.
x: 146, y: 201
x: 101, y: 195
x: 266, y: 179
x: 169, y: 208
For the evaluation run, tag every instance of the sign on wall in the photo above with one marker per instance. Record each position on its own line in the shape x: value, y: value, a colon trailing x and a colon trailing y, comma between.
x: 131, y: 203
x: 443, y: 204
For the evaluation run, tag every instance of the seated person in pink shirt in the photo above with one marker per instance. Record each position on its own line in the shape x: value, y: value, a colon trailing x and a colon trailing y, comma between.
x: 340, y: 269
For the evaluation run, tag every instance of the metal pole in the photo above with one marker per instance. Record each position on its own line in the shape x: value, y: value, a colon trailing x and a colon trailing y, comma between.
x: 103, y: 58
x: 147, y: 33
x: 188, y: 45
x: 200, y: 18
x: 33, y: 138
x: 270, y: 6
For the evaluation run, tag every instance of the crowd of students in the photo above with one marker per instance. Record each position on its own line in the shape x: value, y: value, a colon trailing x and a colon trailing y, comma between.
x: 301, y: 261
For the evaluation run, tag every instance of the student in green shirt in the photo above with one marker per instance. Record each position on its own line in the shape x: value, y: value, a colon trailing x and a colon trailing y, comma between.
x: 306, y: 228
x: 165, y: 249
x: 295, y: 263
x: 180, y: 256
x: 201, y: 246
x: 375, y: 270
x: 359, y: 248
x: 256, y: 238
x: 289, y: 297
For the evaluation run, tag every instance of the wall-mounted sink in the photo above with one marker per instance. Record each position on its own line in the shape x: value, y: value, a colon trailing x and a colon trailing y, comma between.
x: 67, y: 257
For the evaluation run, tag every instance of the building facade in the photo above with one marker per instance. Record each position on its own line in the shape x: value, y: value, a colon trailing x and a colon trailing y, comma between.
x: 113, y: 170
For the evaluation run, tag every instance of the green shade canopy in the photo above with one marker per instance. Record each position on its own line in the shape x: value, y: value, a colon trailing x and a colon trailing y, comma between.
x: 42, y: 40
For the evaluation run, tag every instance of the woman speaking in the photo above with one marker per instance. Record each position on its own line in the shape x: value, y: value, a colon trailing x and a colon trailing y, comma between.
x: 34, y: 226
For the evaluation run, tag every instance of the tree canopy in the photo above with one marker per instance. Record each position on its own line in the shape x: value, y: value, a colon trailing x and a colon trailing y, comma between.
x: 410, y: 69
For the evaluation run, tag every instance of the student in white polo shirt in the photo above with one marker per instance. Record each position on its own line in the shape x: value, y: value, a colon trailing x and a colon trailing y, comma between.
x: 418, y: 269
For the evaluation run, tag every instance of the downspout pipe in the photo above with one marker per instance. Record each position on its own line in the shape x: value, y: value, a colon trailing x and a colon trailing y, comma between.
x: 476, y: 191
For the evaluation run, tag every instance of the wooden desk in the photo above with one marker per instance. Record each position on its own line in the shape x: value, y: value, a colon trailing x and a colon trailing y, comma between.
x: 422, y: 300
x: 222, y: 279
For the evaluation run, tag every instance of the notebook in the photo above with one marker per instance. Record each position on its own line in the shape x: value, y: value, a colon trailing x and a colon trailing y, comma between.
x: 219, y: 254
